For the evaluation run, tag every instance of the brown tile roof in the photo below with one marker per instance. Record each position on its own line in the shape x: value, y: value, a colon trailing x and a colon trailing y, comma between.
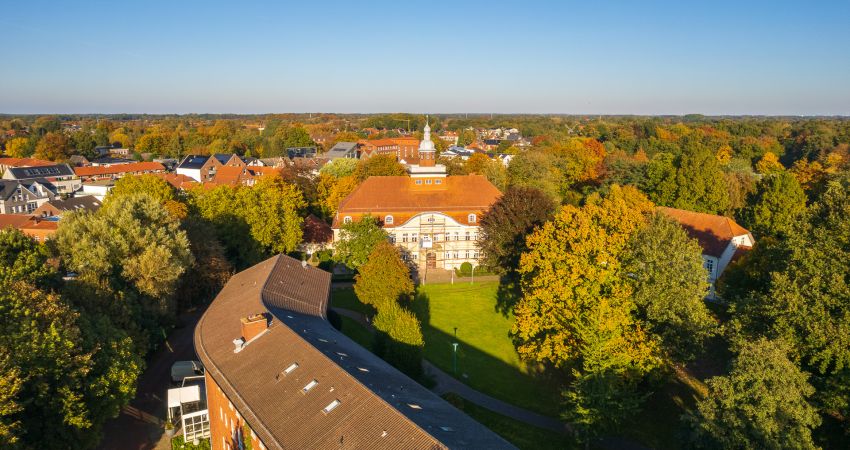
x: 28, y: 224
x: 399, y: 193
x: 118, y: 168
x: 374, y: 410
x: 712, y: 231
x: 231, y: 175
x: 178, y: 180
x: 24, y: 162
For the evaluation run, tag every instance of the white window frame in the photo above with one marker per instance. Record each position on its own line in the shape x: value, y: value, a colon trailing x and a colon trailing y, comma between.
x: 388, y: 220
x: 346, y: 219
x: 472, y: 218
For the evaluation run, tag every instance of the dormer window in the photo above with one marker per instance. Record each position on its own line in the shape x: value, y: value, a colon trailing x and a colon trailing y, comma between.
x: 472, y: 218
x: 388, y: 220
x: 418, y: 181
x: 347, y: 219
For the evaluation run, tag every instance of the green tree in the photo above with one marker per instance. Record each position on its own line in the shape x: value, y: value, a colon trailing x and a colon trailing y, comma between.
x: 148, y: 184
x: 535, y: 169
x: 383, y: 278
x: 776, y: 207
x: 379, y: 166
x: 700, y: 183
x: 357, y: 240
x: 517, y: 213
x: 762, y: 404
x: 131, y: 241
x: 399, y: 339
x: 23, y: 259
x: 341, y: 167
x: 272, y: 208
x: 669, y: 283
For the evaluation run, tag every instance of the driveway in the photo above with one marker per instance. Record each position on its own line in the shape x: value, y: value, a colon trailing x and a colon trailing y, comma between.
x: 138, y: 427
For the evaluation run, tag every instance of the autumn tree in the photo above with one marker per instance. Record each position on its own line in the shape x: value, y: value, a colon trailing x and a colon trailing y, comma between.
x: 669, y: 284
x: 384, y: 278
x: 477, y: 163
x: 517, y: 213
x: 332, y: 190
x: 340, y: 167
x: 357, y: 240
x: 776, y: 206
x: 53, y: 147
x: 151, y: 185
x: 576, y: 306
x: 769, y: 163
x: 18, y: 147
x: 762, y: 404
x: 379, y: 166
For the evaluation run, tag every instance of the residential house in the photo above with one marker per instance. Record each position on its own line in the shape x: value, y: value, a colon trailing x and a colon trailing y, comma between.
x: 111, y: 161
x: 349, y: 150
x: 431, y: 217
x: 78, y: 161
x: 202, y: 168
x: 179, y: 181
x: 24, y: 197
x: 301, y: 152
x: 59, y: 175
x: 113, y: 172
x: 99, y: 188
x: 279, y: 375
x: 7, y: 163
x: 450, y: 137
x: 33, y: 226
x: 408, y: 149
x: 58, y: 207
x: 721, y: 238
x: 374, y: 147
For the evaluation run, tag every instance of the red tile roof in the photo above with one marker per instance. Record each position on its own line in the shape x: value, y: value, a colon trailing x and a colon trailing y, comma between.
x: 400, y: 193
x: 178, y: 180
x: 712, y: 231
x: 119, y: 168
x: 231, y: 175
x: 24, y: 162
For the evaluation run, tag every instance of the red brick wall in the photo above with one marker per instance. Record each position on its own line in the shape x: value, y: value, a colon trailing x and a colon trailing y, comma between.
x: 225, y: 420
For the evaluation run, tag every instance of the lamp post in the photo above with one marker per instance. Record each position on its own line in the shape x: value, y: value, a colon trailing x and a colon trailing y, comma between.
x: 472, y: 280
x: 454, y: 353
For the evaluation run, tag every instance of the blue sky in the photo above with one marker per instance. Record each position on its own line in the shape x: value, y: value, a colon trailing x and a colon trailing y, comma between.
x: 601, y: 57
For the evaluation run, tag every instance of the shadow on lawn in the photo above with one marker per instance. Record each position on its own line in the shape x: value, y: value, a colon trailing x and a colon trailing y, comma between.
x: 536, y: 389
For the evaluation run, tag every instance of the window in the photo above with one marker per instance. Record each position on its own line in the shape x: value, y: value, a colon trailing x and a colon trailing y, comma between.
x: 467, y: 235
x: 475, y: 255
x: 457, y: 255
x: 418, y: 181
x: 347, y: 219
x: 392, y: 238
x: 437, y: 237
x: 430, y: 219
x: 388, y: 220
x: 448, y: 255
x: 457, y: 236
x: 467, y: 254
x: 438, y: 181
x: 331, y: 406
x: 709, y: 265
x: 404, y: 237
x: 414, y: 256
x: 427, y: 181
x: 413, y: 237
x: 309, y: 386
x: 289, y: 369
x: 472, y: 218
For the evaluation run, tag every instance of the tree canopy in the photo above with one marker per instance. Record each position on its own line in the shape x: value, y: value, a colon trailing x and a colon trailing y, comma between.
x: 357, y: 240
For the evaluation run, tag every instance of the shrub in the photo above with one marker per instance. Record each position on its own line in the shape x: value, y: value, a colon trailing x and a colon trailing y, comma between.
x: 399, y: 340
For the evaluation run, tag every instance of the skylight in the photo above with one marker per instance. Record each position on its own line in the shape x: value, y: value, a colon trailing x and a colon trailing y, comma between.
x: 289, y: 369
x: 331, y: 406
x: 309, y: 386
x: 414, y: 406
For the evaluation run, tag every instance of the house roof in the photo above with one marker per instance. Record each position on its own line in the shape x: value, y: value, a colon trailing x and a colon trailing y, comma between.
x: 9, y: 187
x: 84, y: 202
x: 89, y: 171
x: 399, y: 193
x: 193, y: 162
x: 713, y: 232
x: 24, y: 222
x: 231, y: 175
x: 24, y: 162
x: 178, y: 180
x: 54, y: 170
x: 378, y: 406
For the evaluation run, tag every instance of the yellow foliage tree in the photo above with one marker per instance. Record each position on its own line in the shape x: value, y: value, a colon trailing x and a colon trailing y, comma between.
x: 333, y: 190
x: 16, y: 148
x: 769, y: 163
x: 724, y: 154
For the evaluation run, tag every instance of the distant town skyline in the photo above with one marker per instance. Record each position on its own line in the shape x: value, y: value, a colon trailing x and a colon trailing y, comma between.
x: 657, y: 58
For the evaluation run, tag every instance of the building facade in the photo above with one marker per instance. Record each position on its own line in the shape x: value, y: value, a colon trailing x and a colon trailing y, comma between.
x: 24, y: 197
x: 431, y: 217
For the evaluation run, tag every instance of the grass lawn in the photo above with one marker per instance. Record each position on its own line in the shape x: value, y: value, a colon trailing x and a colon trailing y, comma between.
x: 486, y: 358
x: 345, y: 298
x: 520, y: 434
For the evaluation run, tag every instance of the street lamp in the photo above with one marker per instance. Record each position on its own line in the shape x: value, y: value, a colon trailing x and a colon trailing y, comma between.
x: 454, y: 353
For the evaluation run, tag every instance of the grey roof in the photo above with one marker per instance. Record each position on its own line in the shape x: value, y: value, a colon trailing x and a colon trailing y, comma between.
x: 340, y: 150
x: 112, y: 160
x: 27, y: 173
x: 9, y: 187
x: 222, y: 157
x: 377, y: 406
x: 86, y: 202
x: 193, y: 162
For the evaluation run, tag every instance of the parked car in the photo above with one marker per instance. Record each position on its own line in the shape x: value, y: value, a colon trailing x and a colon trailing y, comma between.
x: 183, y: 369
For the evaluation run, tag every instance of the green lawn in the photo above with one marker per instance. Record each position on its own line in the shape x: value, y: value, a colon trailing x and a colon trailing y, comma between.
x: 486, y: 358
x: 520, y: 434
x: 345, y: 298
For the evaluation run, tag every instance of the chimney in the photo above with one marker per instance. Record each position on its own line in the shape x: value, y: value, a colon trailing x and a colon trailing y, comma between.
x: 253, y: 326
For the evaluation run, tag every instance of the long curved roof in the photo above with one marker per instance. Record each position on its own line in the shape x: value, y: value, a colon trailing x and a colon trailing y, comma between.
x: 379, y: 407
